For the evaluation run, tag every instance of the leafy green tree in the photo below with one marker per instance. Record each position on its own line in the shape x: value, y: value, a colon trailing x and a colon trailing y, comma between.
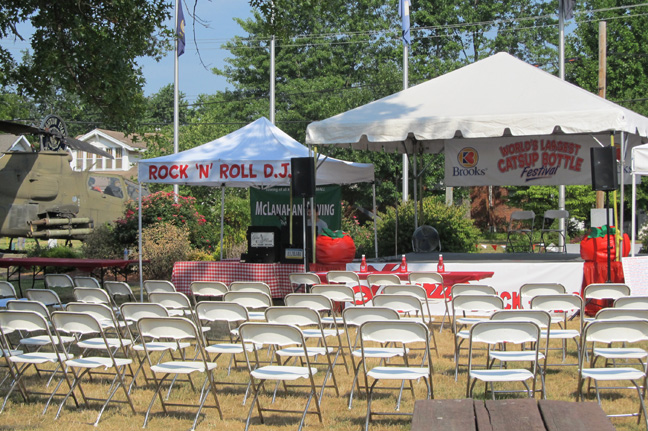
x: 87, y: 49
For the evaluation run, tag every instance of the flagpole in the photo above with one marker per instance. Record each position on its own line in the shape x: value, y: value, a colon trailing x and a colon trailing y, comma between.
x: 561, y: 48
x: 405, y: 156
x: 176, y: 113
x: 404, y: 12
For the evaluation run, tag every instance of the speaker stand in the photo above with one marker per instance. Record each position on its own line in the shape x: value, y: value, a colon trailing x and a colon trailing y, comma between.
x: 306, y: 259
x: 609, y: 247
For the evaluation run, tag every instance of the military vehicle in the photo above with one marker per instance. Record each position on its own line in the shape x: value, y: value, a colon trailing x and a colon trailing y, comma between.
x: 41, y: 196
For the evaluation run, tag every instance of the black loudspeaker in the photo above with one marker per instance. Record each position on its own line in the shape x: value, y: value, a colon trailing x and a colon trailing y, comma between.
x: 303, y: 176
x: 604, y: 170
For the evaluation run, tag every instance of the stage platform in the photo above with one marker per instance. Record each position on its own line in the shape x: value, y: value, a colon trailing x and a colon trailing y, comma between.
x: 472, y: 257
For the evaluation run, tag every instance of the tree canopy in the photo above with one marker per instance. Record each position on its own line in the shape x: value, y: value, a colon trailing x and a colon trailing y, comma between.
x: 87, y: 49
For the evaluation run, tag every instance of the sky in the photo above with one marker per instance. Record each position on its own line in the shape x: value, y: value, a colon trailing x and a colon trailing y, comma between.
x: 194, y: 79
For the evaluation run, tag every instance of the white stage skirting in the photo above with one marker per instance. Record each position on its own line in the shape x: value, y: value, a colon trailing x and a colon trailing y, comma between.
x: 508, y: 276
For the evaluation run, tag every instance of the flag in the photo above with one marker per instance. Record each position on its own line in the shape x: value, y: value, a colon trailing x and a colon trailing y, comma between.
x: 403, y: 11
x: 568, y: 8
x: 180, y: 30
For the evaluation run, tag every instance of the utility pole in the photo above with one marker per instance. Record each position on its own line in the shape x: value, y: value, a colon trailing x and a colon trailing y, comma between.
x: 602, y: 79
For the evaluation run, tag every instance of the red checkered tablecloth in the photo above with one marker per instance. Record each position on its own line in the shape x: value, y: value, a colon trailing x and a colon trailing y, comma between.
x: 274, y: 275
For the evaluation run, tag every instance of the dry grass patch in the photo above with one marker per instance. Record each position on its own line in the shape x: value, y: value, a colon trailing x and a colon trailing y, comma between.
x: 18, y: 415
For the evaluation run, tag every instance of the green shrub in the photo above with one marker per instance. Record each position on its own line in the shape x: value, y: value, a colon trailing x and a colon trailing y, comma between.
x: 457, y: 232
x: 362, y: 234
x: 161, y: 208
x: 163, y: 245
x: 102, y: 244
x: 61, y: 252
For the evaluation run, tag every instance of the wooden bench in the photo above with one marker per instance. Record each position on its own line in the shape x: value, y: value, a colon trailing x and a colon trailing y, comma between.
x: 504, y: 415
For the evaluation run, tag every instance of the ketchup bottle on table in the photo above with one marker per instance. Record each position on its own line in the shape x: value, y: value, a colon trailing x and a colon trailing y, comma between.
x: 403, y: 265
x: 440, y: 265
x: 363, y: 264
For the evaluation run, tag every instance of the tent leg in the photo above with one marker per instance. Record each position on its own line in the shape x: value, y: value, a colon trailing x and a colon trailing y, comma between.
x: 375, y: 215
x: 634, y: 212
x: 139, y: 243
x: 222, y: 221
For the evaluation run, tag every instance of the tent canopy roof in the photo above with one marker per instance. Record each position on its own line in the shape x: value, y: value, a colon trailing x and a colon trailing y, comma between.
x: 241, y: 159
x: 495, y: 97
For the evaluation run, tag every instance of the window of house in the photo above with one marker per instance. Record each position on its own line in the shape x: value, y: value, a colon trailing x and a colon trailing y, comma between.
x: 118, y: 161
x: 79, y: 160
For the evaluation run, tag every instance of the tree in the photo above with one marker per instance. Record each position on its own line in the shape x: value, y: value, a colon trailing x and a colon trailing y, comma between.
x: 87, y: 49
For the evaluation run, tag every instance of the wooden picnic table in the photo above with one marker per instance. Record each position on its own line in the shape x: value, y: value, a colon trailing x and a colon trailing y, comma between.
x: 504, y: 415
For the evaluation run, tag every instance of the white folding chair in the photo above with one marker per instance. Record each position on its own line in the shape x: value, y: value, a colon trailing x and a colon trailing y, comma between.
x: 132, y: 312
x: 338, y: 293
x: 621, y: 314
x: 410, y: 307
x: 354, y: 317
x: 19, y: 362
x: 567, y: 307
x: 178, y: 329
x: 412, y: 290
x: 529, y: 290
x: 176, y: 303
x: 255, y: 302
x: 303, y: 280
x: 308, y: 320
x: 207, y: 290
x: 46, y: 296
x: 232, y: 315
x: 494, y: 333
x: 322, y: 305
x: 520, y: 231
x: 605, y: 333
x: 94, y: 295
x: 277, y: 336
x: 154, y: 286
x: 250, y: 286
x: 462, y: 305
x: 82, y: 325
x: 540, y: 318
x: 361, y: 293
x: 58, y: 280
x: 631, y: 302
x: 432, y: 282
x: 403, y: 334
x: 86, y: 282
x: 119, y: 289
x: 604, y: 291
x: 7, y: 291
x: 465, y: 289
x: 382, y: 280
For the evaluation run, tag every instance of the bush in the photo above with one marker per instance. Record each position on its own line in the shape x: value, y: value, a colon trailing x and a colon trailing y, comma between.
x: 161, y: 208
x: 362, y: 234
x: 457, y: 232
x: 61, y: 252
x: 643, y: 237
x: 102, y: 244
x: 163, y: 244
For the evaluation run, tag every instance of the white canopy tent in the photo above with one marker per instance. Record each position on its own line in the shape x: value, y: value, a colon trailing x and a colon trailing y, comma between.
x: 639, y: 168
x: 486, y: 107
x: 256, y: 155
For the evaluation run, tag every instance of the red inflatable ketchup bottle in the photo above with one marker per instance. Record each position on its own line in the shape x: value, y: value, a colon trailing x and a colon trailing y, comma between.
x: 440, y: 265
x: 403, y: 265
x: 363, y: 264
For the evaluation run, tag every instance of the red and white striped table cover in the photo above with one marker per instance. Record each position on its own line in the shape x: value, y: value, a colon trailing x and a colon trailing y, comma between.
x: 274, y: 275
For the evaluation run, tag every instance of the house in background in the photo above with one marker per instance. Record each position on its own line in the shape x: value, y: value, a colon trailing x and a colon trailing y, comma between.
x: 124, y: 149
x: 9, y: 142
